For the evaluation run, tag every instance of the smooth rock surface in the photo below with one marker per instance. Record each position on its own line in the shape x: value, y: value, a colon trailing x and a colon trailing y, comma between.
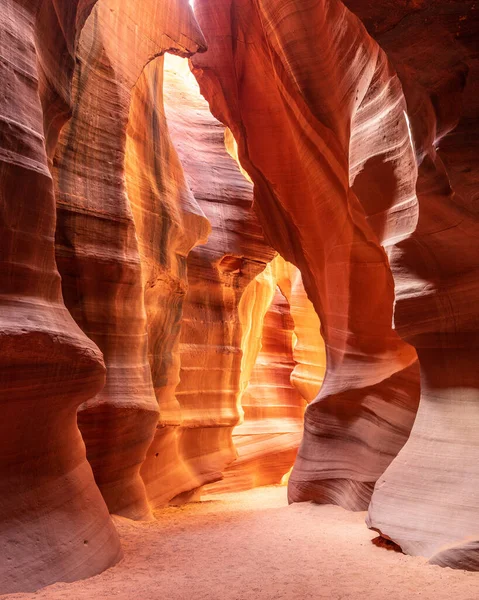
x: 308, y: 125
x: 103, y: 221
x: 54, y: 524
x: 427, y: 501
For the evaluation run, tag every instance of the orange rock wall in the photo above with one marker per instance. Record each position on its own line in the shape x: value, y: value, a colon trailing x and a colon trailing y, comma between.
x: 54, y: 524
x: 303, y: 123
x: 168, y: 223
x: 152, y: 341
x: 117, y: 235
x: 380, y: 144
x: 218, y: 272
x: 281, y: 338
x: 427, y: 500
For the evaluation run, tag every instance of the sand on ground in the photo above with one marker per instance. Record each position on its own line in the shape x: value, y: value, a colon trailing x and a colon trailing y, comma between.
x: 253, y: 546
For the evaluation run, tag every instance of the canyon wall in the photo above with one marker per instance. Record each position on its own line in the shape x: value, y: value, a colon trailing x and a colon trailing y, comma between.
x: 305, y: 125
x: 282, y: 369
x: 117, y: 236
x: 219, y: 271
x: 54, y: 524
x: 152, y: 340
x: 427, y: 501
x: 168, y: 223
x: 364, y: 183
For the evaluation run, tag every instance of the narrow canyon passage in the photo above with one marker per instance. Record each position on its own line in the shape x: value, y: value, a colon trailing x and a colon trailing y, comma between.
x: 239, y: 283
x: 253, y: 546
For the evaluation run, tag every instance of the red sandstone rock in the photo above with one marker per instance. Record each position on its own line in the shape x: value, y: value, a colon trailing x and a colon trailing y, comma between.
x: 104, y: 235
x: 340, y: 93
x: 364, y: 161
x: 218, y: 272
x: 427, y: 501
x: 308, y: 346
x: 306, y: 124
x: 168, y: 223
x: 267, y: 441
x: 276, y: 315
x: 54, y: 524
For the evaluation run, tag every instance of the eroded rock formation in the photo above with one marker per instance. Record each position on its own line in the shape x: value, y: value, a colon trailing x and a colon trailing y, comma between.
x: 168, y: 222
x: 145, y: 313
x: 282, y: 369
x: 331, y: 97
x: 54, y: 524
x: 306, y: 124
x: 218, y: 272
x: 427, y: 501
x: 120, y: 247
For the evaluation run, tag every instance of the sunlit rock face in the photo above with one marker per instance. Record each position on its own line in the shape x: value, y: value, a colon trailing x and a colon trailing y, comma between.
x: 54, y: 524
x: 384, y: 150
x: 269, y: 437
x: 168, y: 222
x: 308, y: 127
x: 209, y: 344
x: 427, y: 501
x: 282, y: 368
x: 141, y: 234
x: 121, y: 236
x: 309, y: 353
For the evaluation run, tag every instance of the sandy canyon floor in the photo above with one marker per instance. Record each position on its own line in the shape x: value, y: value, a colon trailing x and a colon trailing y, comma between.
x: 252, y: 545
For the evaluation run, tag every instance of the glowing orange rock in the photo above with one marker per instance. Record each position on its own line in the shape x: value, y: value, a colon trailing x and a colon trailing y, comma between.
x: 54, y: 522
x: 209, y: 346
x: 103, y: 234
x: 306, y: 125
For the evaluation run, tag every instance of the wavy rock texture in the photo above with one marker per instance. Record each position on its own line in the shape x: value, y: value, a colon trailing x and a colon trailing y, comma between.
x: 209, y: 347
x: 103, y: 234
x: 168, y: 223
x: 308, y: 126
x: 363, y: 154
x: 309, y: 353
x: 54, y: 524
x: 267, y: 440
x: 427, y: 501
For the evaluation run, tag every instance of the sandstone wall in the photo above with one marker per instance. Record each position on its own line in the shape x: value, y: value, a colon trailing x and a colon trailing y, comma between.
x: 54, y: 524
x: 116, y: 236
x: 305, y: 122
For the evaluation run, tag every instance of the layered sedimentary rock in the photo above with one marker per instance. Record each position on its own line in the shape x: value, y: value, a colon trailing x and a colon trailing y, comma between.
x: 209, y: 347
x: 118, y: 249
x: 168, y: 223
x: 427, y: 501
x: 309, y: 353
x: 362, y: 139
x: 282, y: 369
x: 54, y: 524
x: 268, y: 439
x: 307, y: 125
x: 363, y: 154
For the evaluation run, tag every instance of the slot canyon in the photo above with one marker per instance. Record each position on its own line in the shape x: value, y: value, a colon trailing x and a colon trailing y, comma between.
x: 239, y: 299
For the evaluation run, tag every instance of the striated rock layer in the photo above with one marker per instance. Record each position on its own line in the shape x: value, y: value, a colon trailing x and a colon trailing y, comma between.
x: 209, y: 347
x: 282, y: 368
x: 168, y: 223
x: 115, y: 242
x: 54, y: 524
x: 428, y: 499
x: 128, y: 240
x: 357, y: 144
x: 310, y: 129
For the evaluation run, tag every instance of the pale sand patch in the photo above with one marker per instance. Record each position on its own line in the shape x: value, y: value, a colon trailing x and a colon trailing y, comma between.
x: 253, y: 546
